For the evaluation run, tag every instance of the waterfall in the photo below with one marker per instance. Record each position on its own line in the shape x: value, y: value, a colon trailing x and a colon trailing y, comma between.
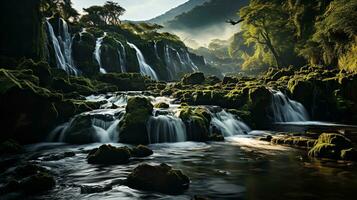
x: 193, y: 65
x: 94, y: 126
x: 287, y: 110
x: 145, y: 69
x: 156, y: 52
x: 228, y: 124
x: 97, y: 52
x: 166, y: 128
x: 122, y: 56
x: 62, y: 46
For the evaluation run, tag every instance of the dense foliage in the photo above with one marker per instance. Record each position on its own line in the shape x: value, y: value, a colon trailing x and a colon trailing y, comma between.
x: 296, y: 32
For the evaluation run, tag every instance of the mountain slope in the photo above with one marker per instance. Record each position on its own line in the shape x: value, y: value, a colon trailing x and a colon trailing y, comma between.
x: 207, y: 21
x: 171, y: 14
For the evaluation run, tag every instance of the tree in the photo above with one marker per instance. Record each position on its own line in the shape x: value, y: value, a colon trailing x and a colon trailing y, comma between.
x: 113, y: 11
x: 103, y: 15
x: 62, y: 7
x: 265, y: 25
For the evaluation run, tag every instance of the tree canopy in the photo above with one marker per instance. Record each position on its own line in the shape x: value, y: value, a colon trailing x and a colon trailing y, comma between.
x: 109, y: 14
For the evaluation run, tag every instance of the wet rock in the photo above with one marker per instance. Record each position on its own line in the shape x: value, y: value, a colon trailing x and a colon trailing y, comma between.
x: 193, y: 79
x: 294, y: 141
x: 38, y: 183
x: 10, y: 147
x: 160, y: 178
x: 349, y: 154
x: 197, y: 121
x: 216, y: 137
x: 109, y: 155
x: 198, y: 197
x: 267, y: 138
x: 133, y: 128
x: 162, y: 105
x: 28, y: 170
x: 56, y: 157
x: 324, y: 150
x: 332, y: 145
x: 90, y: 189
x: 141, y: 151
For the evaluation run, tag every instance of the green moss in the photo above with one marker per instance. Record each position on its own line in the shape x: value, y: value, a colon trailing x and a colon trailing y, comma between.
x: 162, y: 105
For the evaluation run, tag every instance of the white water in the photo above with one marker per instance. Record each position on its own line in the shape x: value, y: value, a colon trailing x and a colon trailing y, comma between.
x: 228, y: 124
x: 145, y: 69
x: 122, y: 56
x: 166, y: 128
x: 97, y: 53
x: 287, y: 110
x: 63, y: 47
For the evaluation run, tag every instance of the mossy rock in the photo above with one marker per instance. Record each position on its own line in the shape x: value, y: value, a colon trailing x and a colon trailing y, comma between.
x: 339, y: 140
x: 349, y: 154
x: 193, y: 79
x: 109, y: 155
x: 324, y: 150
x: 197, y: 121
x: 162, y: 105
x: 133, y: 128
x: 161, y: 178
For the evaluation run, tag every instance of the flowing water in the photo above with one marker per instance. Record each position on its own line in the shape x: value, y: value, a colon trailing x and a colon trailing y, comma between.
x: 239, y: 168
x: 145, y: 69
x: 62, y: 45
x: 97, y: 53
x: 287, y: 110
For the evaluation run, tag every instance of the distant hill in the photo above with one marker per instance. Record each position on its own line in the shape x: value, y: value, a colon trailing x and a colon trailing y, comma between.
x: 171, y: 14
x: 207, y: 21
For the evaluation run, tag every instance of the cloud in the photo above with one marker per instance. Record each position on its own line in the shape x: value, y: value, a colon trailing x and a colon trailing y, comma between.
x: 136, y: 9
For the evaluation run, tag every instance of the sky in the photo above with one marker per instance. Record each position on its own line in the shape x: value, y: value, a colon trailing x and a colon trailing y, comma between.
x: 135, y: 9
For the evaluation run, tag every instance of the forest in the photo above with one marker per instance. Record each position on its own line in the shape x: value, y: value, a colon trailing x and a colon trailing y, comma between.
x: 214, y: 99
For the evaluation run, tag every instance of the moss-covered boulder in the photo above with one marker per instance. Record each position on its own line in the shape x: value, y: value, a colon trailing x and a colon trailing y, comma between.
x: 133, y: 128
x: 260, y: 101
x: 81, y: 130
x: 197, y: 121
x: 161, y: 178
x: 162, y: 105
x: 141, y: 151
x: 331, y: 145
x: 109, y: 155
x: 193, y: 79
x: 82, y: 49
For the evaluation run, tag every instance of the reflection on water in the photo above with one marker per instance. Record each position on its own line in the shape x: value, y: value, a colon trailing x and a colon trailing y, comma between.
x: 240, y: 168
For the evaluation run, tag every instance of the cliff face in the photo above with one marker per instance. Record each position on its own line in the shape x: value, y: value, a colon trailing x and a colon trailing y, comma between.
x: 22, y: 33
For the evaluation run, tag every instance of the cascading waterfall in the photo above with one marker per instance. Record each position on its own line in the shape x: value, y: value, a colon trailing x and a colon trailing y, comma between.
x: 62, y: 46
x: 145, y: 69
x: 192, y: 64
x: 156, y: 52
x: 97, y: 53
x: 287, y: 110
x: 99, y: 126
x: 122, y: 58
x: 228, y: 124
x: 166, y: 128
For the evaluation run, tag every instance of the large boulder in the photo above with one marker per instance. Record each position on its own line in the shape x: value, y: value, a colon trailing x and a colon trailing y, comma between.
x: 133, y: 128
x: 141, y: 151
x: 197, y: 121
x: 109, y: 155
x: 193, y: 79
x: 260, y: 99
x: 332, y: 145
x: 161, y: 178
